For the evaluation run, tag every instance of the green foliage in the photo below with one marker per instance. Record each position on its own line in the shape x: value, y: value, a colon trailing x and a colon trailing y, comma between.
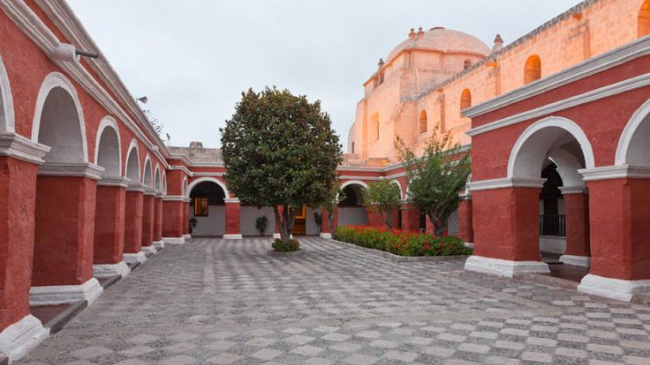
x: 436, y: 178
x: 260, y: 223
x: 383, y: 197
x: 402, y: 243
x: 336, y: 196
x: 280, y: 151
x: 290, y: 246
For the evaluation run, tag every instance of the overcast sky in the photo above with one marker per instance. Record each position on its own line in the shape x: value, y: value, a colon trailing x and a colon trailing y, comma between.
x: 193, y: 58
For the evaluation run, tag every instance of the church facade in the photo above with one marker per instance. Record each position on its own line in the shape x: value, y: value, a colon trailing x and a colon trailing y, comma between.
x: 90, y: 190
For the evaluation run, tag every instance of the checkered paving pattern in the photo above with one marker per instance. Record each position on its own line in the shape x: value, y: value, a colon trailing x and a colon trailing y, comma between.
x: 227, y: 302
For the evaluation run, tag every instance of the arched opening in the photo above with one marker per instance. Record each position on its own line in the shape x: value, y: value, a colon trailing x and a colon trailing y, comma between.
x: 207, y: 209
x: 552, y: 151
x: 164, y: 183
x: 59, y: 127
x: 133, y: 164
x: 7, y: 123
x: 423, y: 124
x: 633, y: 149
x: 467, y: 64
x: 465, y: 100
x: 351, y: 211
x: 148, y: 173
x: 157, y: 181
x: 533, y: 69
x: 644, y: 19
x: 108, y: 149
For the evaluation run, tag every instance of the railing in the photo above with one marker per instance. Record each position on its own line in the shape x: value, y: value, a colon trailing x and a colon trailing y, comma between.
x: 552, y: 225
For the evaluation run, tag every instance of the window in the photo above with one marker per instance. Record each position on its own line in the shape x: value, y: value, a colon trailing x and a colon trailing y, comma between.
x: 423, y: 121
x: 465, y: 100
x: 644, y: 19
x: 467, y: 64
x: 533, y: 70
x: 375, y: 125
x: 200, y: 207
x: 352, y: 148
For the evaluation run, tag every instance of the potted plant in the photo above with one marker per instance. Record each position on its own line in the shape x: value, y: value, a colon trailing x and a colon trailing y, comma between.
x: 261, y: 223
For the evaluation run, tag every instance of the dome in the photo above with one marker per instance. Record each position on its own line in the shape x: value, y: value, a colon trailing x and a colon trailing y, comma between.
x: 443, y: 40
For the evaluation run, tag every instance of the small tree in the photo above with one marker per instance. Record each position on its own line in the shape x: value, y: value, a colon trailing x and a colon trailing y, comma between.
x: 436, y: 178
x: 280, y: 151
x: 336, y: 196
x: 383, y: 197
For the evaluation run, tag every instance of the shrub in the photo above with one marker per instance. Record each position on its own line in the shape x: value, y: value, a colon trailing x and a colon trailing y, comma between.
x: 292, y: 245
x: 402, y: 243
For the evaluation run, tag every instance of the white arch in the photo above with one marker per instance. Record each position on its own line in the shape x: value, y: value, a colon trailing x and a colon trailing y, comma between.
x: 204, y: 179
x: 164, y: 182
x: 401, y: 192
x: 532, y: 147
x: 354, y: 182
x: 157, y: 178
x: 567, y: 167
x: 147, y: 169
x: 7, y: 119
x: 185, y: 189
x: 625, y: 142
x: 133, y: 147
x: 109, y: 122
x: 52, y: 81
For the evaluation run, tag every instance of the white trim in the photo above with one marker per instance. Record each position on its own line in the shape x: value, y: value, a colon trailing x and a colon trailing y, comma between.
x: 144, y: 171
x: 194, y: 183
x: 157, y: 178
x: 631, y: 127
x: 231, y: 201
x: 612, y: 288
x: 354, y: 182
x: 582, y: 261
x: 61, y: 294
x: 401, y: 192
x: 505, y: 183
x: 214, y: 174
x: 133, y: 145
x: 355, y: 177
x: 568, y: 190
x: 52, y: 81
x: 396, y: 176
x: 18, y: 339
x: 615, y: 172
x: 117, y: 181
x: 326, y: 236
x: 232, y: 237
x: 134, y: 258
x: 186, y: 191
x: 187, y: 236
x: 176, y: 198
x: 21, y: 148
x: 8, y: 120
x: 102, y: 271
x: 182, y: 168
x: 164, y: 182
x: 174, y: 240
x: 150, y: 249
x: 87, y: 170
x: 505, y: 268
x: 107, y: 122
x: 159, y: 244
x: 136, y: 188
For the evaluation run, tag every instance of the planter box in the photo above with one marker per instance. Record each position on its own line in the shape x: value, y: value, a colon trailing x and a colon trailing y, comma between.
x: 397, y: 258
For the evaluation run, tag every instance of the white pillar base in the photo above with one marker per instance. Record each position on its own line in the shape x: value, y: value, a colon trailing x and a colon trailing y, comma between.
x: 469, y: 245
x: 135, y: 258
x: 232, y: 237
x: 109, y: 270
x: 613, y: 288
x: 149, y: 249
x: 583, y: 261
x: 174, y: 240
x: 60, y: 294
x: 159, y: 244
x: 187, y: 236
x: 505, y: 267
x: 327, y: 236
x: 277, y: 236
x: 21, y: 337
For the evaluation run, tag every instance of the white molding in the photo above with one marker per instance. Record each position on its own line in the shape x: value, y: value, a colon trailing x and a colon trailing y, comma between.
x: 182, y: 168
x: 150, y: 249
x: 114, y: 181
x: 231, y: 201
x: 19, y: 338
x: 174, y: 240
x: 355, y: 177
x: 615, y: 172
x: 631, y: 127
x: 134, y: 258
x: 232, y: 237
x: 326, y: 236
x: 572, y: 102
x: 208, y: 174
x: 505, y: 183
x: 505, y: 268
x: 187, y: 236
x: 612, y: 288
x: 177, y: 198
x: 82, y: 169
x: 109, y: 122
x: 147, y: 167
x: 277, y: 235
x: 133, y: 146
x: 21, y: 148
x: 396, y: 176
x: 195, y: 182
x: 570, y: 190
x: 8, y: 119
x: 630, y: 51
x: 150, y: 192
x: 354, y: 182
x: 136, y: 188
x: 61, y: 294
x: 102, y: 271
x: 582, y: 261
x: 159, y: 244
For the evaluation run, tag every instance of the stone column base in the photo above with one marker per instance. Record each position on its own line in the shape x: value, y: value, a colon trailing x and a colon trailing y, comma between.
x: 278, y: 236
x: 135, y: 258
x: 584, y: 261
x: 149, y: 249
x: 108, y: 270
x: 232, y: 237
x: 60, y: 294
x: 505, y: 267
x: 159, y: 244
x: 613, y: 288
x: 187, y: 236
x: 469, y: 245
x: 174, y: 240
x: 21, y: 337
x: 327, y: 236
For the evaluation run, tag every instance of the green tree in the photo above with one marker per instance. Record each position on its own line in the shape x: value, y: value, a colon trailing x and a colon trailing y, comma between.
x: 383, y: 197
x: 280, y: 151
x: 336, y: 195
x: 436, y: 178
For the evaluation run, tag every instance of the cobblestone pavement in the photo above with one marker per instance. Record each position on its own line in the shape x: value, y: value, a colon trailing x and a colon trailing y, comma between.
x: 227, y: 302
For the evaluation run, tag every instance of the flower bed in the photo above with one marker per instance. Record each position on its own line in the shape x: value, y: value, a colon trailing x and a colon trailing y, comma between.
x: 402, y: 243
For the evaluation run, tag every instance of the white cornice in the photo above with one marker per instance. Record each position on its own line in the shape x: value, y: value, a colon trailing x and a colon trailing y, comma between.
x: 353, y: 177
x: 114, y: 181
x: 231, y: 201
x: 568, y: 190
x: 207, y: 164
x: 136, y: 188
x: 181, y: 168
x: 83, y: 169
x: 216, y: 174
x: 615, y: 172
x: 613, y: 58
x: 21, y: 148
x: 505, y: 183
x: 177, y: 198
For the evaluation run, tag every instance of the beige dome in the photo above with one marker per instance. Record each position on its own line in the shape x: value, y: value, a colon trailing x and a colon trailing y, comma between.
x: 443, y: 40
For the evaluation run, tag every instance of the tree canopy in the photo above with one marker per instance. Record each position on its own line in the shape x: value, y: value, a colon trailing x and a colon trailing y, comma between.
x: 383, y: 196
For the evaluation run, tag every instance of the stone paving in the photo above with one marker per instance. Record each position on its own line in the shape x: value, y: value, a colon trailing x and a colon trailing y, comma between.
x: 227, y: 302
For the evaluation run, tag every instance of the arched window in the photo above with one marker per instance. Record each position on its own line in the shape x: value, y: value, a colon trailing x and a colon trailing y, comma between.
x: 375, y: 125
x: 465, y: 100
x: 533, y: 70
x: 423, y: 125
x: 644, y: 19
x: 467, y: 64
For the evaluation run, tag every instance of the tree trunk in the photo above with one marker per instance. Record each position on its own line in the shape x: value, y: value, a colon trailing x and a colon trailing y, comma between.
x: 330, y: 220
x: 389, y: 218
x: 438, y: 226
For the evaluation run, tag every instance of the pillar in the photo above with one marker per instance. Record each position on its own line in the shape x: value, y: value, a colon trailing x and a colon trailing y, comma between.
x: 465, y: 220
x: 19, y: 161
x: 506, y: 237
x: 158, y: 222
x: 576, y: 207
x: 65, y: 234
x: 108, y: 259
x: 325, y: 225
x: 376, y: 219
x: 618, y: 220
x: 173, y: 219
x: 186, y: 220
x: 410, y: 218
x: 148, y: 211
x: 233, y: 219
x: 133, y: 225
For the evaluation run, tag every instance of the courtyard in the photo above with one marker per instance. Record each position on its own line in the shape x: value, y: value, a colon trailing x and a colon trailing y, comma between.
x: 215, y: 301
